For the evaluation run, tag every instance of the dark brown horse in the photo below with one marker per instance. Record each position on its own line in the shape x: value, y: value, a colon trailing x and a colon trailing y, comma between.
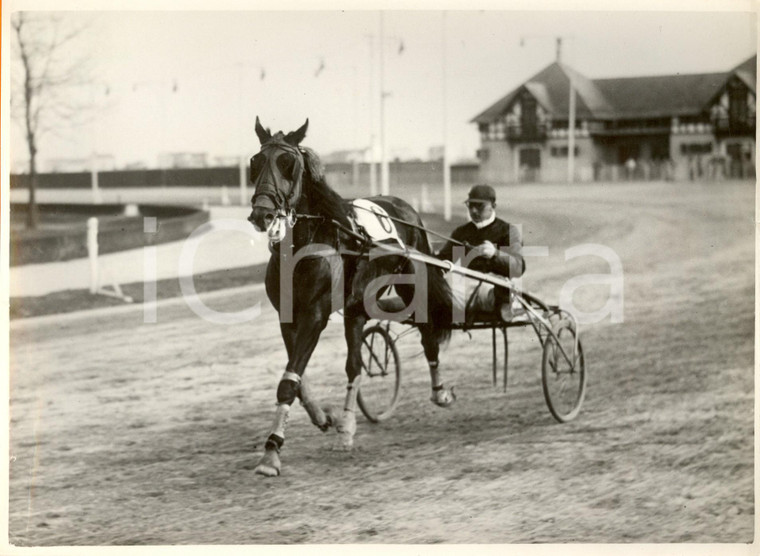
x: 317, y: 268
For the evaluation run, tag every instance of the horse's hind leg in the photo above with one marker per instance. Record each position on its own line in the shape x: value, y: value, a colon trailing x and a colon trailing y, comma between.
x: 346, y: 426
x: 441, y: 396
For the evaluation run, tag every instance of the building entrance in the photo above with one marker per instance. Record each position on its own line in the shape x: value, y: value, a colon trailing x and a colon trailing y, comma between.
x: 530, y: 164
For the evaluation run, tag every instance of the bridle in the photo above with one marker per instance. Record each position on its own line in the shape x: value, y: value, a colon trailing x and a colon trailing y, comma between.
x: 269, y: 183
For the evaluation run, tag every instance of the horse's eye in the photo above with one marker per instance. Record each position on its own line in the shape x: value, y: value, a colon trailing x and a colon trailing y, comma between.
x: 285, y: 165
x: 257, y: 165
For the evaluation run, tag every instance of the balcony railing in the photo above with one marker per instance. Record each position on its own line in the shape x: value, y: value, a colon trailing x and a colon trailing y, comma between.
x: 517, y: 133
x: 729, y: 126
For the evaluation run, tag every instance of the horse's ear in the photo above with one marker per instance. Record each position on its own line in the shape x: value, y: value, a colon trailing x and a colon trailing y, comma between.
x: 295, y: 137
x: 262, y: 133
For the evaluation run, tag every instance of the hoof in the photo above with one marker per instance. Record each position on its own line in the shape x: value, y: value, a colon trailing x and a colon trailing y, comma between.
x: 331, y: 418
x: 346, y: 428
x: 321, y: 417
x: 269, y: 464
x: 444, y: 397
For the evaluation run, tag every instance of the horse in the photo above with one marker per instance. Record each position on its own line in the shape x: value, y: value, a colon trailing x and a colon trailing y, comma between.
x: 306, y: 223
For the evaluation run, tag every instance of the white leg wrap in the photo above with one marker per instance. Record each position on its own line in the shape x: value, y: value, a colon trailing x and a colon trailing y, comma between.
x: 280, y: 420
x: 347, y: 425
x: 351, y: 392
x: 288, y: 375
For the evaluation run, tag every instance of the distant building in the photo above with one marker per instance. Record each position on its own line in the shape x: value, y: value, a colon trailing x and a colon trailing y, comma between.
x: 435, y: 153
x: 182, y: 160
x: 397, y: 154
x: 351, y: 155
x: 226, y: 161
x: 660, y: 127
x: 103, y: 163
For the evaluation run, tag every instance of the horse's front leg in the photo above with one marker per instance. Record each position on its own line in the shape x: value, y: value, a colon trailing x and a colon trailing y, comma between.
x: 346, y: 426
x: 303, y: 337
x: 315, y: 412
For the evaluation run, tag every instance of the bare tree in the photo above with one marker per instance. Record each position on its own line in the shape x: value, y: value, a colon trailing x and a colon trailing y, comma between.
x: 45, y: 79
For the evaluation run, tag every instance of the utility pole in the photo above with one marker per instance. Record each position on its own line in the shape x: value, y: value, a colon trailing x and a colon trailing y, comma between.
x: 384, y: 170
x: 372, y: 168
x: 384, y: 178
x: 446, y: 167
x: 242, y: 166
x: 570, y: 119
x: 571, y: 134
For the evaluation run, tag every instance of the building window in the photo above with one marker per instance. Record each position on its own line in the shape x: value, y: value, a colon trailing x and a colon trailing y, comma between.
x: 483, y: 128
x: 750, y: 107
x: 737, y: 101
x: 696, y: 148
x: 529, y: 117
x: 497, y: 131
x: 561, y: 152
x: 735, y: 110
x: 483, y: 154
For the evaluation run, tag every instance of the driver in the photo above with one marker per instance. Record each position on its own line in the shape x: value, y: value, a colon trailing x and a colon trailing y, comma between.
x: 487, y: 244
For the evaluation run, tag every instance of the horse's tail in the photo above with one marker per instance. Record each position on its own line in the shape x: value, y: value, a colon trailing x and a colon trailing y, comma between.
x: 439, y: 304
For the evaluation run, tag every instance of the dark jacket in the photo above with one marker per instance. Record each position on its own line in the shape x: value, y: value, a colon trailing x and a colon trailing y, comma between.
x: 508, y: 260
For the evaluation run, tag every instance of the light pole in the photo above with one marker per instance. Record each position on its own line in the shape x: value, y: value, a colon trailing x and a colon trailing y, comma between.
x: 446, y: 167
x: 372, y: 169
x: 384, y: 178
x: 570, y: 119
x: 95, y: 137
x: 242, y: 174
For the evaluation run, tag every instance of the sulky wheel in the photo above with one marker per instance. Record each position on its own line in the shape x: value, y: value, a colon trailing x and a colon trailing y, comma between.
x: 564, y: 382
x: 381, y: 374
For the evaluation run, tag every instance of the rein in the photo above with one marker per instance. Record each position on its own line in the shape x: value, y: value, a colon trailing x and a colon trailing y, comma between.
x: 366, y: 241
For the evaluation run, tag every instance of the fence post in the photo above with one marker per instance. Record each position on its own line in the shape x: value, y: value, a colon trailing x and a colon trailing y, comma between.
x: 92, y: 252
x: 243, y: 181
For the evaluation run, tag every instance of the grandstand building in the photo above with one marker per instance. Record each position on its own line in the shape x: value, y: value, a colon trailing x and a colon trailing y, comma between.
x: 659, y: 127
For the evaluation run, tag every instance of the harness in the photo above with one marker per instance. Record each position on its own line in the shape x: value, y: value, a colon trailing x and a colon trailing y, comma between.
x: 270, y: 184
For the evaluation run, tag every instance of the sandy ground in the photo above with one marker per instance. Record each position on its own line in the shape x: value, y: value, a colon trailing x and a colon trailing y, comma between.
x: 127, y: 433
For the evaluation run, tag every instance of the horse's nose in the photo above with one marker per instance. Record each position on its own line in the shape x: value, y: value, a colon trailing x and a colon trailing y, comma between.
x: 261, y: 218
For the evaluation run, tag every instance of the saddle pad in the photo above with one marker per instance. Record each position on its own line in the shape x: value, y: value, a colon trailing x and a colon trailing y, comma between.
x: 375, y: 222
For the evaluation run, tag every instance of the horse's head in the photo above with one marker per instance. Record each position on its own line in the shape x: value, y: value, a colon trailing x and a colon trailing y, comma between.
x: 277, y: 174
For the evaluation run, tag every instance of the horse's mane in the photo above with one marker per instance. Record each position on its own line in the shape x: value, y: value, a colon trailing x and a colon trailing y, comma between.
x: 323, y: 199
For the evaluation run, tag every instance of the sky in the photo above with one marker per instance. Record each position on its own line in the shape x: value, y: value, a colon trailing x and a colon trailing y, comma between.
x: 194, y: 81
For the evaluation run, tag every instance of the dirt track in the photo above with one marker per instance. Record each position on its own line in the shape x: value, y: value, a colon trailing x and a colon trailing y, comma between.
x: 132, y: 433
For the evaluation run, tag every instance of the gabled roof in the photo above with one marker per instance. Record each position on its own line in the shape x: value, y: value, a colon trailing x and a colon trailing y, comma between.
x: 588, y: 93
x: 749, y: 65
x: 551, y: 87
x: 662, y: 95
x: 626, y: 97
x: 747, y: 72
x: 541, y: 94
